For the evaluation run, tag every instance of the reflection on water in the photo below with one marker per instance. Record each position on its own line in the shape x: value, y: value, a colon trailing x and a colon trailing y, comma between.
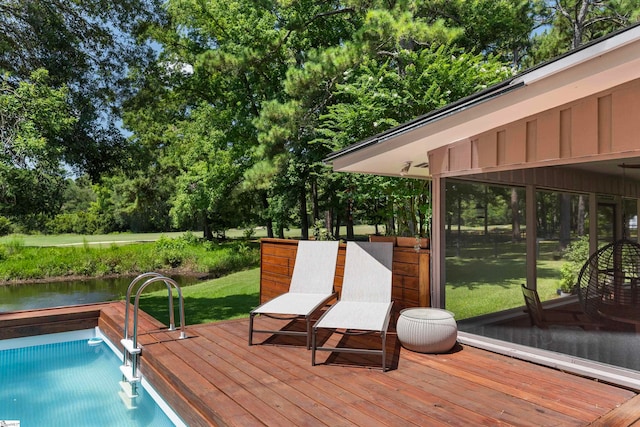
x: 55, y: 294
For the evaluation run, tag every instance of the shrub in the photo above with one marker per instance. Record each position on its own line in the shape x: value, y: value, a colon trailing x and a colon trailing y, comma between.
x: 75, y: 222
x: 576, y: 254
x: 171, y: 251
x: 6, y: 227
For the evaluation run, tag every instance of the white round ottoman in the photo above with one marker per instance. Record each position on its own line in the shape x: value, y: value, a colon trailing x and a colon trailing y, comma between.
x: 427, y: 330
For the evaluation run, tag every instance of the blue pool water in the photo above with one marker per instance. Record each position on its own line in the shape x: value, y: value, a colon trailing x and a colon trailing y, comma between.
x: 70, y: 384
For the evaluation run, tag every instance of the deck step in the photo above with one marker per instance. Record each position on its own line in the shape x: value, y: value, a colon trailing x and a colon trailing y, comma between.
x: 127, y: 371
x: 129, y: 347
x: 129, y: 403
x: 128, y: 389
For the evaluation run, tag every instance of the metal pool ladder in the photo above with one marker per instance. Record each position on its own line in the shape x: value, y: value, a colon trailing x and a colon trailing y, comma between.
x: 131, y: 351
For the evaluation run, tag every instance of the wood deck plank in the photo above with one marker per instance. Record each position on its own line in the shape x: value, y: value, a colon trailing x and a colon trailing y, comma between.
x: 544, y: 394
x: 238, y: 382
x: 555, y: 379
x: 628, y: 414
x: 215, y: 378
x: 360, y: 395
x: 292, y: 370
x: 491, y: 403
x: 530, y: 384
x: 311, y: 389
x: 482, y: 417
x: 213, y: 359
x: 216, y: 404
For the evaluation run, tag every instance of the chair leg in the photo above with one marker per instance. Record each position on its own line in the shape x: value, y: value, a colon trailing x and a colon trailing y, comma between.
x: 251, y: 315
x: 308, y: 318
x: 384, y: 351
x: 313, y: 348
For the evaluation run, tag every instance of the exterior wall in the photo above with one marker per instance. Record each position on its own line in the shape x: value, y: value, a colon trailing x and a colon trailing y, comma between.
x: 600, y: 127
x: 410, y: 279
x: 544, y: 151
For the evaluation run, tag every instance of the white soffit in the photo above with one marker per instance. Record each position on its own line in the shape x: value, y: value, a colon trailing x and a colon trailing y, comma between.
x: 594, y: 69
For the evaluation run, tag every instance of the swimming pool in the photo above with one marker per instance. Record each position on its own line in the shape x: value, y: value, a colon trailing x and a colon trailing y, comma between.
x: 61, y: 380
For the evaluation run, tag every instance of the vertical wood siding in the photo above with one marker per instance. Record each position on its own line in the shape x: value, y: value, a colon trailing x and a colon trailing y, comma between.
x: 593, y: 128
x: 410, y: 278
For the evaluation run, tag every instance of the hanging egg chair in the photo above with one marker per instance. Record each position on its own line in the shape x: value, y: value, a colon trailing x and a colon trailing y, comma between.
x: 610, y: 277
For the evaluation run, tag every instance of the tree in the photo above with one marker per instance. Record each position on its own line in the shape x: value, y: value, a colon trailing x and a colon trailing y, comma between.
x: 379, y: 95
x: 499, y: 28
x: 74, y: 57
x: 209, y: 177
x: 34, y: 116
x: 87, y: 46
x: 239, y: 55
x: 572, y: 23
x: 284, y: 84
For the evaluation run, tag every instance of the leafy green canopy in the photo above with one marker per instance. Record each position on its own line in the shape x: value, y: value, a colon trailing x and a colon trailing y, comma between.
x: 34, y: 117
x: 87, y: 46
x: 64, y: 67
x: 246, y: 100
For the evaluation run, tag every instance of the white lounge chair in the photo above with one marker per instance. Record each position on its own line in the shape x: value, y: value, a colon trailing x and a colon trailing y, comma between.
x: 311, y: 288
x: 365, y: 301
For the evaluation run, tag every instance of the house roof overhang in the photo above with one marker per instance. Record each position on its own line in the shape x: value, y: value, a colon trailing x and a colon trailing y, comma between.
x: 593, y: 68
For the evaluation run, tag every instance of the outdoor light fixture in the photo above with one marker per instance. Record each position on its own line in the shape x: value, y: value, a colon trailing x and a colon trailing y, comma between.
x: 405, y: 168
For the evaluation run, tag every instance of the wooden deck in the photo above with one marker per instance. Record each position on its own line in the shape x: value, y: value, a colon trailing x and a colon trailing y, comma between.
x: 215, y: 378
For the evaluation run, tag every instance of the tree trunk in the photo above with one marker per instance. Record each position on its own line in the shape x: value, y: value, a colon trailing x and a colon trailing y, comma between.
x: 486, y: 212
x: 207, y: 234
x: 328, y: 220
x: 515, y: 216
x: 336, y: 234
x: 314, y: 196
x: 565, y: 220
x: 542, y: 216
x: 411, y: 218
x: 265, y: 208
x: 304, y: 220
x: 581, y: 214
x: 390, y: 226
x: 350, y: 233
x: 459, y: 215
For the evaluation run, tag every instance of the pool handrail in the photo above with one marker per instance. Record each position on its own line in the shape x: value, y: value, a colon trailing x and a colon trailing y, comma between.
x: 128, y: 299
x: 131, y: 350
x: 169, y: 282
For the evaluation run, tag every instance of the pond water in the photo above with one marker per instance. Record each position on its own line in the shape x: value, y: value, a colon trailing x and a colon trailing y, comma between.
x: 55, y: 294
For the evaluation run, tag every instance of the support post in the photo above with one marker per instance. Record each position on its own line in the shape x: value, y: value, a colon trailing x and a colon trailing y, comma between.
x: 438, y: 243
x: 532, y: 237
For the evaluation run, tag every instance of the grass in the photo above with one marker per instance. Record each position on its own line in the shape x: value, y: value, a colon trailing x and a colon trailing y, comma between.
x: 228, y: 297
x: 28, y: 262
x: 485, y: 276
x: 475, y: 288
x: 43, y: 240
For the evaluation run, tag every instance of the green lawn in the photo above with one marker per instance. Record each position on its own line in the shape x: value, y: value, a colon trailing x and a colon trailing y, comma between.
x: 96, y: 239
x: 475, y: 288
x: 485, y: 278
x: 228, y: 297
x: 81, y: 239
x: 470, y: 294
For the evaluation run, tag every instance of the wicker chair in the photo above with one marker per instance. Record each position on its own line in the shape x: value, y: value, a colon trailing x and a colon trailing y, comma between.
x: 609, y: 279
